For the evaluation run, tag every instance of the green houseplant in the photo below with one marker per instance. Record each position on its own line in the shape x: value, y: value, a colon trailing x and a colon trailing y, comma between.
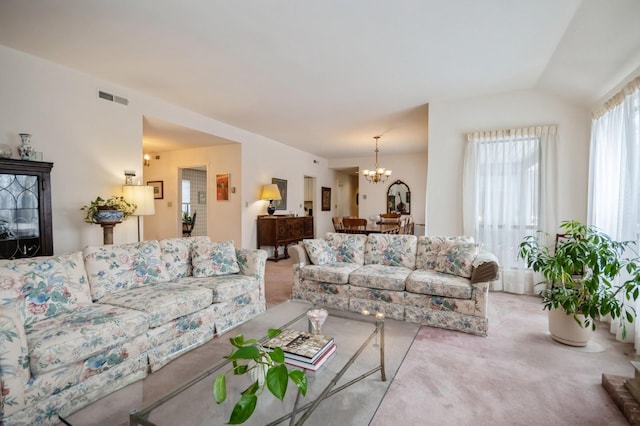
x: 115, y: 202
x: 583, y: 273
x: 266, y: 369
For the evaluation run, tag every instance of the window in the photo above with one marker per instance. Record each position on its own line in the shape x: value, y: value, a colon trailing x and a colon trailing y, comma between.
x: 507, y: 174
x: 186, y: 196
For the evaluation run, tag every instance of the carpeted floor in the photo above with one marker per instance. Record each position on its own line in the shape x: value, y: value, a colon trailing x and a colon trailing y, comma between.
x: 515, y: 376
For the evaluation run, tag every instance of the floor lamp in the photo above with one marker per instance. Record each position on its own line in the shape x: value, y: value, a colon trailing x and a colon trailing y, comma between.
x: 141, y: 196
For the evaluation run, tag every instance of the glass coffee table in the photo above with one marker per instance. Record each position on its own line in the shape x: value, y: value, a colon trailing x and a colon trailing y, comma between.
x: 360, y: 353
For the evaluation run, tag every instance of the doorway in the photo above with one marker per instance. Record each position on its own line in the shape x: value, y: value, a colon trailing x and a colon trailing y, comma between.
x: 193, y: 199
x: 309, y: 195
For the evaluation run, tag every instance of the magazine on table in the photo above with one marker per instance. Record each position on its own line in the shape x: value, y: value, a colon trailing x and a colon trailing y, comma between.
x: 300, y: 345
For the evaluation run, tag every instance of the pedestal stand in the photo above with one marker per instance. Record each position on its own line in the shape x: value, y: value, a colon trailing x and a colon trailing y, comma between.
x: 107, y: 231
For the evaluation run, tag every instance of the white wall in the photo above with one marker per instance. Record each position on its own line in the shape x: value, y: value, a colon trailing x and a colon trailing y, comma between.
x: 92, y: 142
x: 450, y: 121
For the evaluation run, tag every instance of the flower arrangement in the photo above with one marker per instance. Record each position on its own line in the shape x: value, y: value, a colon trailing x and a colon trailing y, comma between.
x: 115, y: 202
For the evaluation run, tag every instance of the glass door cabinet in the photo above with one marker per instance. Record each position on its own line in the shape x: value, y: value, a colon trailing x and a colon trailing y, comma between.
x: 25, y: 209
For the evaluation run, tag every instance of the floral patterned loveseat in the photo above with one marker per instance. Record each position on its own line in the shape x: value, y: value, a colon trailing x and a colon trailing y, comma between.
x: 78, y: 326
x: 436, y: 281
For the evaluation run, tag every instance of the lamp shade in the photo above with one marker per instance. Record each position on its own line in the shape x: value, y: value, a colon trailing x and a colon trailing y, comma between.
x: 141, y: 196
x: 271, y: 192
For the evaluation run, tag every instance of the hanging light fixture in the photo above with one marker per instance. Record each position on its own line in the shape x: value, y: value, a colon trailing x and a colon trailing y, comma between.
x: 378, y: 174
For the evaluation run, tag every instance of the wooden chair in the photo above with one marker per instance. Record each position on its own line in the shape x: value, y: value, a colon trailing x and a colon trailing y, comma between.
x: 390, y: 218
x: 351, y: 223
x: 337, y: 224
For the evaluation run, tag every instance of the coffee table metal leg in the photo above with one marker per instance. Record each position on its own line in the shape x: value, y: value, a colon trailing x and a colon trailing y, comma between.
x: 380, y: 327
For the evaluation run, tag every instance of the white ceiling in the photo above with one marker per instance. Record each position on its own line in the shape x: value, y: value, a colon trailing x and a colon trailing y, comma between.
x: 326, y: 76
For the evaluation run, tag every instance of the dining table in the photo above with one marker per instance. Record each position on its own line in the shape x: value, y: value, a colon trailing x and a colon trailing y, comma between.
x: 372, y: 228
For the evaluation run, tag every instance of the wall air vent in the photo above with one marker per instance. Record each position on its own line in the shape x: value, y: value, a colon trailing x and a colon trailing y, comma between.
x: 112, y: 98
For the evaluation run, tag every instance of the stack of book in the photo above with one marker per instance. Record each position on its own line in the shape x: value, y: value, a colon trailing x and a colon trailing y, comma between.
x: 302, y: 349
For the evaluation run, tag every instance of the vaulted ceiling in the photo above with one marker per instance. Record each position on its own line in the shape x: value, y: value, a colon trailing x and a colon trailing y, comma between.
x: 327, y: 76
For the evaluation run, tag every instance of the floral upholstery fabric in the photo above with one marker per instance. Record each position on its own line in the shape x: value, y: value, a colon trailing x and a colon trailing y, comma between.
x: 236, y: 311
x: 14, y: 360
x: 319, y: 251
x: 176, y: 254
x: 252, y: 263
x: 224, y: 287
x: 321, y: 299
x: 462, y: 306
x: 390, y: 310
x: 347, y: 247
x: 449, y: 320
x: 429, y: 248
x: 116, y: 268
x: 380, y: 276
x: 337, y: 272
x: 75, y: 336
x: 324, y: 288
x: 214, y: 259
x: 162, y: 302
x: 39, y: 288
x: 391, y: 250
x: 388, y: 296
x: 438, y: 284
x: 456, y: 258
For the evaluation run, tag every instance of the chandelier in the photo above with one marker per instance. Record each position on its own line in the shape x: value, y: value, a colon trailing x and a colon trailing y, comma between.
x: 378, y: 174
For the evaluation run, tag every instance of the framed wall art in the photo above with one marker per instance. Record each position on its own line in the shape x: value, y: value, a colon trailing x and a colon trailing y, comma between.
x: 326, y: 199
x: 222, y: 186
x: 158, y: 189
x: 282, y: 186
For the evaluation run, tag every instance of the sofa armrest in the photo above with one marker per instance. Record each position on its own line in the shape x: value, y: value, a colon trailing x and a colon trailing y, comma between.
x: 485, y: 267
x: 253, y: 263
x: 298, y: 254
x: 14, y: 362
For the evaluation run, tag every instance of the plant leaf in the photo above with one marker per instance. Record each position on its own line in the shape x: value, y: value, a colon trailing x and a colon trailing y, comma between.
x: 246, y: 352
x: 243, y: 409
x: 300, y: 379
x: 251, y: 389
x: 277, y: 354
x: 220, y: 388
x: 277, y: 380
x: 273, y: 332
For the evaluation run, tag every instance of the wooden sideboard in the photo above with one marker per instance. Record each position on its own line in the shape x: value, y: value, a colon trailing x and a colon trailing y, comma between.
x: 276, y: 231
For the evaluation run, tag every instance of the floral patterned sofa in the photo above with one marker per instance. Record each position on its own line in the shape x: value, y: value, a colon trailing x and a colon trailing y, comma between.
x: 436, y: 281
x: 78, y: 326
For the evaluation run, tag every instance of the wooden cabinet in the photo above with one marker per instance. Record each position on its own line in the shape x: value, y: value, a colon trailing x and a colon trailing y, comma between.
x: 25, y: 209
x: 276, y: 231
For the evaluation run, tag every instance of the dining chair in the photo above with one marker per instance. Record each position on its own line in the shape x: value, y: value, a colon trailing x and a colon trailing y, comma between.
x: 354, y: 224
x: 187, y: 228
x: 337, y: 224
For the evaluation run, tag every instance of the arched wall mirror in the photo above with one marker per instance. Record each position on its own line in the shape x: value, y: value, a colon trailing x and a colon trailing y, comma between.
x: 399, y: 198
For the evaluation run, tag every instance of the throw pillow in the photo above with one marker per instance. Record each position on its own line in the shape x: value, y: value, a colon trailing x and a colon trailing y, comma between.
x: 319, y: 251
x: 211, y: 259
x: 456, y: 258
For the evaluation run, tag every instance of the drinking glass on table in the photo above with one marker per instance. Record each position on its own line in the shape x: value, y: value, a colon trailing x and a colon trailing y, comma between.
x: 316, y: 318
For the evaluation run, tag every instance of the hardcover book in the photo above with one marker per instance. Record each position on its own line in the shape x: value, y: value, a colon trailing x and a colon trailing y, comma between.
x: 300, y: 345
x: 316, y: 364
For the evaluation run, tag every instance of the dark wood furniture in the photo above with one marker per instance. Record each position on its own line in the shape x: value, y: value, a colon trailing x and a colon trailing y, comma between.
x: 372, y: 228
x: 25, y: 209
x: 276, y: 231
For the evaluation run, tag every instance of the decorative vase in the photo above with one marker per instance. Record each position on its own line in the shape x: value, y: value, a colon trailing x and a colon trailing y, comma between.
x: 108, y: 216
x: 25, y: 149
x: 6, y: 151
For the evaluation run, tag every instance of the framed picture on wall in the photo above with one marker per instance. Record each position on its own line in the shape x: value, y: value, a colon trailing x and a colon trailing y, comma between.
x: 202, y: 197
x: 222, y: 186
x: 158, y: 188
x: 326, y: 199
x: 282, y: 186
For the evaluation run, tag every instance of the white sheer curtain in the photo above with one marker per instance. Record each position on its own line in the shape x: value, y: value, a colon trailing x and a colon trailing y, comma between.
x: 509, y: 191
x: 614, y: 176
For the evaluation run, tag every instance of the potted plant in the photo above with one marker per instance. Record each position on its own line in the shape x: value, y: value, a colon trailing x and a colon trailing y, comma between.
x: 186, y: 217
x: 114, y: 209
x: 264, y: 369
x: 586, y: 274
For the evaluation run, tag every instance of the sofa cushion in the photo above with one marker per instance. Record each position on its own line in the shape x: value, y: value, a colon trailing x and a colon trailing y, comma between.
x: 162, y: 302
x: 214, y: 258
x: 380, y: 276
x: 319, y: 251
x: 335, y: 273
x: 391, y: 250
x: 426, y: 281
x: 75, y: 336
x: 224, y: 287
x: 456, y: 258
x: 439, y: 303
x: 347, y: 247
x: 176, y: 253
x: 39, y: 288
x: 429, y: 248
x: 116, y: 268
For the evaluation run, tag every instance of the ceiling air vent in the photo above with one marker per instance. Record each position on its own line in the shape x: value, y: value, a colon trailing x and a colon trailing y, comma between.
x: 112, y: 98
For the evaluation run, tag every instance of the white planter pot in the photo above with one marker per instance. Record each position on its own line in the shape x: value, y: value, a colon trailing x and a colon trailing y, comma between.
x: 565, y: 329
